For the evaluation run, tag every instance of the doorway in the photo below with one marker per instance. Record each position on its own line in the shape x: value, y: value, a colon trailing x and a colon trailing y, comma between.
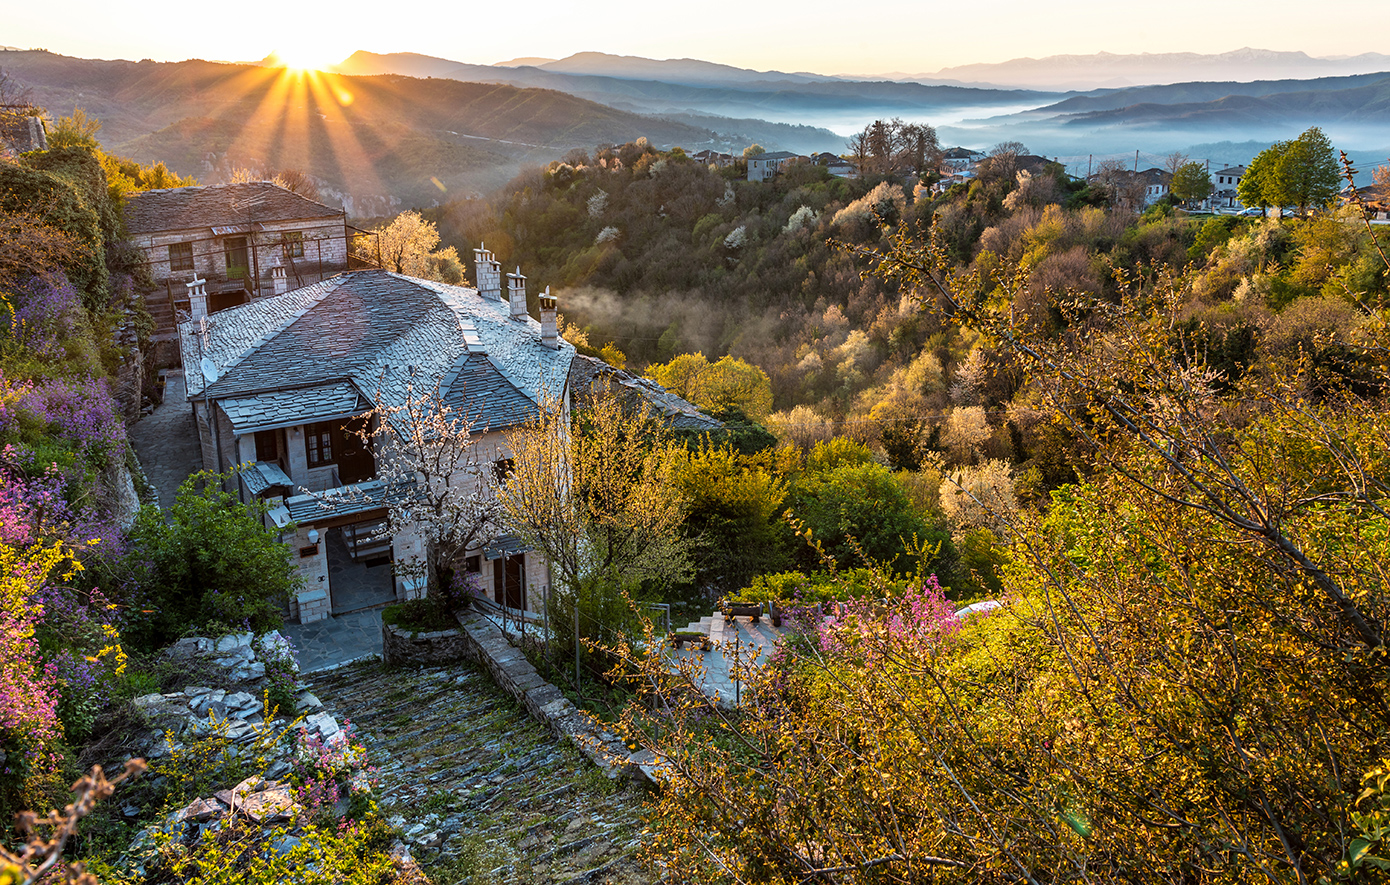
x: 509, y: 581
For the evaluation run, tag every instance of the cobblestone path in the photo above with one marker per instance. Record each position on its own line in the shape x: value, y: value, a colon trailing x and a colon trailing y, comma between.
x: 167, y: 442
x: 487, y: 795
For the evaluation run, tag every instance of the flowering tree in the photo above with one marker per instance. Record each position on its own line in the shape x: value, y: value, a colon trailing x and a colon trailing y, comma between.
x: 600, y: 499
x: 443, y: 480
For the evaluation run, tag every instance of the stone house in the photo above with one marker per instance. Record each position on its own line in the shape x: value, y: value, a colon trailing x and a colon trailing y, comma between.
x: 766, y: 166
x: 283, y: 386
x: 1224, y: 183
x: 244, y: 241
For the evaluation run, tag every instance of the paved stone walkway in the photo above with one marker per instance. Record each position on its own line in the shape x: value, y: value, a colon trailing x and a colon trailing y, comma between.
x: 333, y: 642
x: 166, y: 441
x: 485, y: 793
x: 739, y: 646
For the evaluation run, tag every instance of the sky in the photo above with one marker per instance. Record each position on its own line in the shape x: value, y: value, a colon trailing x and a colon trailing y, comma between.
x: 815, y: 35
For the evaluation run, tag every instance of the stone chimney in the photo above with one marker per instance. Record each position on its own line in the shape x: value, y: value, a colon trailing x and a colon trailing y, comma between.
x: 550, y: 335
x: 279, y: 282
x: 198, y: 298
x: 516, y: 294
x: 489, y: 273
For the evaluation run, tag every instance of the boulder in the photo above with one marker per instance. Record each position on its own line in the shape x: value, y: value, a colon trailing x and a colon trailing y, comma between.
x: 198, y: 810
x: 271, y: 804
x: 232, y: 642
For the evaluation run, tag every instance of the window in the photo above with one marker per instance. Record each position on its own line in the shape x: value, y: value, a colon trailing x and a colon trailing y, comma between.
x: 292, y: 243
x: 180, y: 256
x: 318, y: 438
x: 238, y: 258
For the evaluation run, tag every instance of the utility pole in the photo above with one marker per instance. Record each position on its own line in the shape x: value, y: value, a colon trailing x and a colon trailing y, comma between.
x: 1136, y: 160
x: 1089, y: 158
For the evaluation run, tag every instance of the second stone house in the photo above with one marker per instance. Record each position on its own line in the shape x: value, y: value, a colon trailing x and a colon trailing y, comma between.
x: 245, y: 241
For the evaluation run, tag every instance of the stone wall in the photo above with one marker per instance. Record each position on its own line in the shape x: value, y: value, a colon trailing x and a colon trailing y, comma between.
x: 440, y: 647
x: 486, y: 644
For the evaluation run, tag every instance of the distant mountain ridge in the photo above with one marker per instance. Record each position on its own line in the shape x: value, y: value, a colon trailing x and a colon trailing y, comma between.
x: 375, y: 143
x: 717, y: 90
x: 1105, y: 69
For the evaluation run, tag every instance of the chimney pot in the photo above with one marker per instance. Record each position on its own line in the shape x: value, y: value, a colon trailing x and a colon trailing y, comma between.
x: 198, y: 299
x: 489, y: 273
x: 516, y: 294
x: 550, y: 335
x: 279, y: 281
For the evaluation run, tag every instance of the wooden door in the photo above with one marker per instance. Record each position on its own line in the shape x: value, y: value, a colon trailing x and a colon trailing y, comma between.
x: 355, y: 461
x: 509, y: 581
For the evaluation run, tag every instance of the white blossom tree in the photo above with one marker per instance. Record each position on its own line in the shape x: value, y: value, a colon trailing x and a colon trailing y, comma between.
x: 441, y: 481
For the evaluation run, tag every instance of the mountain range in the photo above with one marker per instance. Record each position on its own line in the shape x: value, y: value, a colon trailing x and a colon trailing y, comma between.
x: 386, y: 131
x: 1108, y: 70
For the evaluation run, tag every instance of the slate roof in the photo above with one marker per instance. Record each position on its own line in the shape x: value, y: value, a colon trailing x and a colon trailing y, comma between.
x: 221, y: 205
x: 286, y: 408
x: 586, y: 372
x: 362, y: 497
x: 480, y: 391
x: 297, y: 355
x: 263, y: 475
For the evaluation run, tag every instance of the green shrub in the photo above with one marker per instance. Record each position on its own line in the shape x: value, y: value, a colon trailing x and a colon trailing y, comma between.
x: 423, y: 615
x: 211, y: 568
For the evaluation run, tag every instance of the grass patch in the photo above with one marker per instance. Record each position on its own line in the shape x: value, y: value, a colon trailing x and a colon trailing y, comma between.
x: 425, y: 615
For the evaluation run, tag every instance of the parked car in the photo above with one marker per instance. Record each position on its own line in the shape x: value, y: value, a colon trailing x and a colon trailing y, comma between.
x: 1252, y: 212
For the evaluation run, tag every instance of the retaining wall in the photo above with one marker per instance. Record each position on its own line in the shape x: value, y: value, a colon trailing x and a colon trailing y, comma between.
x: 485, y: 643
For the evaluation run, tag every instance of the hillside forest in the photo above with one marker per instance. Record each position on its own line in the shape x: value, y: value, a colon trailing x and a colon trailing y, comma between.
x: 1158, y: 437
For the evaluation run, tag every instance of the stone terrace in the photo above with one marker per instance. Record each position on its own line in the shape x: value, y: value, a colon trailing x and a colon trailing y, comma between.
x: 487, y: 794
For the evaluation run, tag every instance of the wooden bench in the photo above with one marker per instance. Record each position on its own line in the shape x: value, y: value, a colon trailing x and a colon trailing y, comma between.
x: 678, y: 640
x: 735, y: 609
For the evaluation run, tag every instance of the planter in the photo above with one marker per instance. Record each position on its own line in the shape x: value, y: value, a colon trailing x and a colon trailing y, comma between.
x: 437, y: 647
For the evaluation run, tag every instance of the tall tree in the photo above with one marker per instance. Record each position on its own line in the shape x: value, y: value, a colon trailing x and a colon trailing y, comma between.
x: 1257, y: 187
x: 1191, y: 182
x: 600, y: 498
x: 1307, y: 175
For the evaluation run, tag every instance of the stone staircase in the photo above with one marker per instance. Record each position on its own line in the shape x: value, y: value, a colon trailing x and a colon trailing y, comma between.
x: 484, y: 793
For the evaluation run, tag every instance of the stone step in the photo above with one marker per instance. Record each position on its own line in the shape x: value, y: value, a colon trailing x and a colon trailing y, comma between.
x: 458, y: 755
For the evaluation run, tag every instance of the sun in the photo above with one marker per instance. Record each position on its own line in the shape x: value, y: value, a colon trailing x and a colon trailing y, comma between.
x: 306, y: 57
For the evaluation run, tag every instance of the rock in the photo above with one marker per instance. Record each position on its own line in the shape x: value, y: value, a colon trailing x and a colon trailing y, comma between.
x: 308, y: 701
x: 241, y: 731
x: 202, y: 703
x: 198, y: 810
x: 285, y: 845
x: 165, y: 747
x: 190, y: 646
x: 242, y: 703
x: 414, y: 831
x: 432, y: 840
x: 148, y: 702
x: 278, y: 769
x: 271, y: 804
x: 248, y: 672
x: 232, y: 642
x: 324, y: 725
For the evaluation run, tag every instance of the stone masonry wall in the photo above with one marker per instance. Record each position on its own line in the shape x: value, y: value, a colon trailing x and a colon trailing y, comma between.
x: 440, y: 647
x: 488, y: 646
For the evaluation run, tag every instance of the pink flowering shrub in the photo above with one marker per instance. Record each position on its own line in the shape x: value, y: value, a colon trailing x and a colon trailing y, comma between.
x: 29, y: 723
x: 334, y: 770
